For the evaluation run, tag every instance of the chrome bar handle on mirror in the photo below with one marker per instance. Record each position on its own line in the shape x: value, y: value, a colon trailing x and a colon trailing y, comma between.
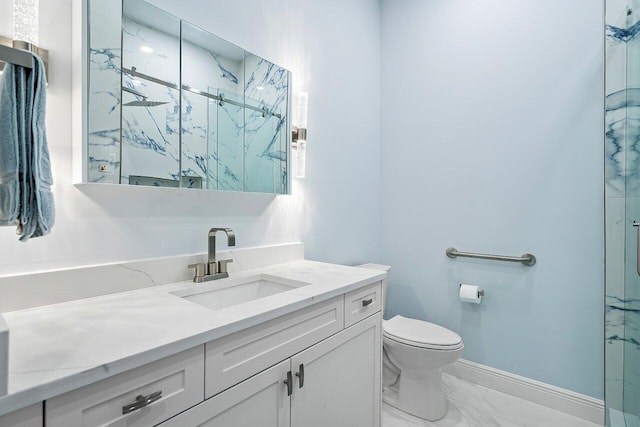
x: 141, y: 402
x: 637, y: 225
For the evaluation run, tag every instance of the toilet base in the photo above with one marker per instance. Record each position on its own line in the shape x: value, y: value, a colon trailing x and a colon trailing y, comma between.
x: 422, y: 397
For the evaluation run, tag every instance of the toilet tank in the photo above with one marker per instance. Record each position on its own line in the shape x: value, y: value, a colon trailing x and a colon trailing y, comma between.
x: 380, y: 267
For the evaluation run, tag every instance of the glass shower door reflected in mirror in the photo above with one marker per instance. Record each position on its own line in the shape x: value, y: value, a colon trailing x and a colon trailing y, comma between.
x: 212, y: 126
x: 150, y: 128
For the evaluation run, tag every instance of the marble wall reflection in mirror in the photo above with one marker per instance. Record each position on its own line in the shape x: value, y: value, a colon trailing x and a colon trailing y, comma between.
x: 173, y: 105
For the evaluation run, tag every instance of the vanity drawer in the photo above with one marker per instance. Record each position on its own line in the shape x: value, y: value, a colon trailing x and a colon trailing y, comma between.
x: 362, y: 303
x: 231, y: 359
x: 178, y: 377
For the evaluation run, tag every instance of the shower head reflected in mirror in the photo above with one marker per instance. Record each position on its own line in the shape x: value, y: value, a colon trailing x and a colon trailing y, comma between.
x: 143, y: 102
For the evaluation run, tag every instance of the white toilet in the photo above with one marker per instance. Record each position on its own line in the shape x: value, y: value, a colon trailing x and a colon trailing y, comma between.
x: 415, y: 352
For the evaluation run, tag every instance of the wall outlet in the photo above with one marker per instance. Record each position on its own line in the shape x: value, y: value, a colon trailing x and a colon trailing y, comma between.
x: 103, y: 168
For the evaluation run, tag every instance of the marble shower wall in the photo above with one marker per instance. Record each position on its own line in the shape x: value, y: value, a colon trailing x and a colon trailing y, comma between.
x: 182, y: 138
x: 622, y: 192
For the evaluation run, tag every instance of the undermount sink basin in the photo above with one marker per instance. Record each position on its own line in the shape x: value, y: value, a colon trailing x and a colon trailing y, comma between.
x: 229, y: 292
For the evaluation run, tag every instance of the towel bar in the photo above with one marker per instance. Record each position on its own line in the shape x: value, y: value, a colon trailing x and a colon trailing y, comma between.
x: 14, y: 52
x: 16, y: 56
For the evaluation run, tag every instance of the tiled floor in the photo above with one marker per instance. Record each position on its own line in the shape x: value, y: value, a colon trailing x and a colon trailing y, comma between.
x: 471, y: 405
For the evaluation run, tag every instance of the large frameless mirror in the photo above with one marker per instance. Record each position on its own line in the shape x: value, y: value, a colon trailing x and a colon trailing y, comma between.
x: 172, y: 105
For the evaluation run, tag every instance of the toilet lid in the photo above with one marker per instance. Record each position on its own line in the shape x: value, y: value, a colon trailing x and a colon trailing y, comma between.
x: 419, y: 333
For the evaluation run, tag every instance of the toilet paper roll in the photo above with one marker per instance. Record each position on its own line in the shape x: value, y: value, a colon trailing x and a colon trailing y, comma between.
x: 470, y: 293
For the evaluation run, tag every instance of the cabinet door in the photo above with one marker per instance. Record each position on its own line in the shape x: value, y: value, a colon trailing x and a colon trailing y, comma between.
x: 30, y: 416
x: 337, y: 381
x: 262, y: 400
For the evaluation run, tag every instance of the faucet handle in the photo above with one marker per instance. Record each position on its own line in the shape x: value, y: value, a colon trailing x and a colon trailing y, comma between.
x: 201, y: 270
x: 222, y: 265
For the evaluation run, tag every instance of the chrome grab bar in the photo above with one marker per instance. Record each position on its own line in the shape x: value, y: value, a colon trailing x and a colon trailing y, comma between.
x: 526, y: 259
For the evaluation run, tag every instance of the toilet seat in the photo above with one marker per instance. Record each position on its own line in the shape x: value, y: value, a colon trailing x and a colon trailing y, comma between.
x: 418, y: 333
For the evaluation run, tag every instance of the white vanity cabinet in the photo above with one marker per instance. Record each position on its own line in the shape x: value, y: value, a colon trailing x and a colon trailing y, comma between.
x: 30, y: 416
x: 335, y: 382
x: 317, y: 366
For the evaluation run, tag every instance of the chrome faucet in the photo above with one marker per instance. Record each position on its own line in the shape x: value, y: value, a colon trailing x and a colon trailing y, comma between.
x: 214, y: 269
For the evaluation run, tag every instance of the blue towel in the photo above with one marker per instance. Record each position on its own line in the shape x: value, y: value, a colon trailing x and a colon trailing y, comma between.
x: 9, y: 157
x: 26, y: 200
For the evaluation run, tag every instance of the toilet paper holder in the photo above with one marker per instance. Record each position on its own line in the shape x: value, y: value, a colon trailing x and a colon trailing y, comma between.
x: 480, y: 292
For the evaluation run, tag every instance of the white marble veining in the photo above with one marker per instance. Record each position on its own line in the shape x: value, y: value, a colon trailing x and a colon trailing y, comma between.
x: 472, y: 405
x: 18, y: 292
x: 64, y: 346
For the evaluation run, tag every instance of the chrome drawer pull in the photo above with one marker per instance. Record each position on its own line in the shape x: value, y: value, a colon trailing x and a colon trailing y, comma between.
x: 366, y: 302
x: 141, y: 402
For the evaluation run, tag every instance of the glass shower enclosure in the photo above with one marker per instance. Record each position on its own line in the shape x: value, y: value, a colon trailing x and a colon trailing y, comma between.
x: 622, y: 213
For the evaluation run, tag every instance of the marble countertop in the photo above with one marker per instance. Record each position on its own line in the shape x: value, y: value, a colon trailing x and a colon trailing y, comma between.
x: 57, y: 348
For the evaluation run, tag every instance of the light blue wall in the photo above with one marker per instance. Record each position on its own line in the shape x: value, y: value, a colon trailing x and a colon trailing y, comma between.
x: 492, y: 141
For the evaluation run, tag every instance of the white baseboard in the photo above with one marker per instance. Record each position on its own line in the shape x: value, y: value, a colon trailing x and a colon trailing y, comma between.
x: 569, y: 402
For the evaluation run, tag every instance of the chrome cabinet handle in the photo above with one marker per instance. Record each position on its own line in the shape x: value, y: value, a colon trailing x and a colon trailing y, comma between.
x: 289, y: 383
x: 300, y: 375
x: 366, y: 302
x: 141, y: 402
